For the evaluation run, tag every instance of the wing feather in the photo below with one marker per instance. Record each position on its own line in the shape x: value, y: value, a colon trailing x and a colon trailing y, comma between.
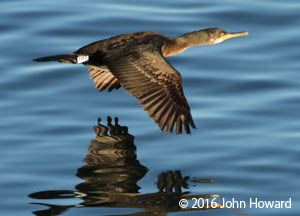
x: 146, y: 74
x: 103, y: 78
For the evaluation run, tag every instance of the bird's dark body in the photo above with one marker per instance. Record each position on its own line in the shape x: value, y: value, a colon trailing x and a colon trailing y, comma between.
x: 136, y: 61
x: 121, y: 44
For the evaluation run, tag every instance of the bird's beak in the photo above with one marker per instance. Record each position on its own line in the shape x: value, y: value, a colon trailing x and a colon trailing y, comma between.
x: 232, y: 35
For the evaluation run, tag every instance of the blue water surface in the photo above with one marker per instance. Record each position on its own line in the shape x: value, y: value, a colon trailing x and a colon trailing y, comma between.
x: 244, y: 95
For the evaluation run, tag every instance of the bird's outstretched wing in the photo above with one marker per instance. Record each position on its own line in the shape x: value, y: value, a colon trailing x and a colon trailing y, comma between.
x: 146, y: 74
x: 103, y: 78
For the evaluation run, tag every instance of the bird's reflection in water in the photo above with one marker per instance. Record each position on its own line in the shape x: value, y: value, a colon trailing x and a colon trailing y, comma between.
x: 110, y: 179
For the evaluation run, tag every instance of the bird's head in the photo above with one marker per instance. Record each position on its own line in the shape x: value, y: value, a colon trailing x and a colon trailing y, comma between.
x: 207, y: 36
x: 217, y: 35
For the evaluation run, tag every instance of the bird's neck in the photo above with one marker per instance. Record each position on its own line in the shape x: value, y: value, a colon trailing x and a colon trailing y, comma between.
x: 174, y: 46
x: 196, y: 38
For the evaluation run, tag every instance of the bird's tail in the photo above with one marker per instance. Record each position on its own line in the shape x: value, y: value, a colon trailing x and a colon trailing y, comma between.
x: 64, y: 58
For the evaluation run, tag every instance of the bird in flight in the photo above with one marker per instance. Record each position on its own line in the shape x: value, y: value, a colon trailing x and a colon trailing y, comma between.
x: 137, y: 62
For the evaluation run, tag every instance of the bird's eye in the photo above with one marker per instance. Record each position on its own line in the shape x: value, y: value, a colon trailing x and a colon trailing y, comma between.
x: 222, y: 33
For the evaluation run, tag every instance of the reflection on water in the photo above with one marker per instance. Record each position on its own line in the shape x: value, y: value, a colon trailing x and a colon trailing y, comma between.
x: 110, y: 179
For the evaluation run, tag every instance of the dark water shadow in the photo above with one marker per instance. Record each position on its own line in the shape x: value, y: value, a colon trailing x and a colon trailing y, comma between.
x: 110, y: 178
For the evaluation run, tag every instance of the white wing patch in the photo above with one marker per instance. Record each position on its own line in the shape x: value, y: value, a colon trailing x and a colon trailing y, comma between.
x: 82, y: 58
